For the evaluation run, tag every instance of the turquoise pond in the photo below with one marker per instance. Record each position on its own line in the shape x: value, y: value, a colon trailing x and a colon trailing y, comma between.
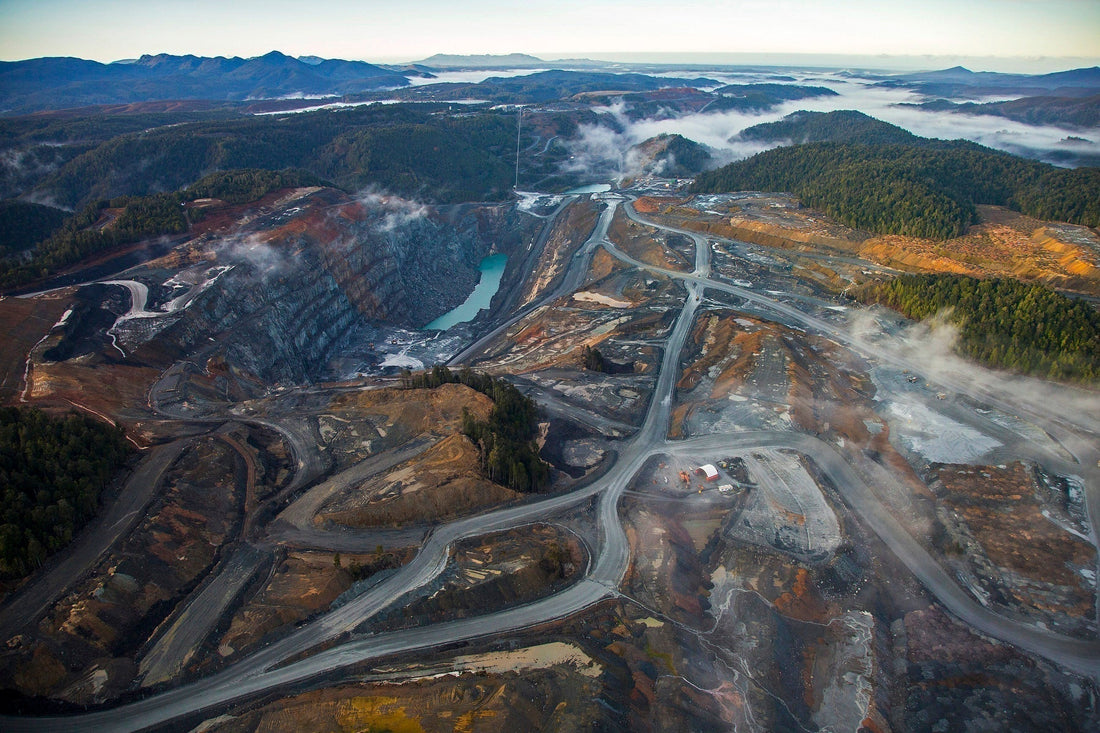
x: 492, y: 270
x: 590, y: 188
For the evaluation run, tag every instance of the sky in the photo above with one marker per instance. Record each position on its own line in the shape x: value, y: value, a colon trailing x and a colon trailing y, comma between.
x: 1005, y: 35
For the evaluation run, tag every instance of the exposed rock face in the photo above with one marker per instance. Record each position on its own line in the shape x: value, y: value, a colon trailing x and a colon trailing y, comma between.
x: 670, y: 156
x: 304, y: 276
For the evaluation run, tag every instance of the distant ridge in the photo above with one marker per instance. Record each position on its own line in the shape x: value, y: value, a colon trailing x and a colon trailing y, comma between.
x: 959, y: 81
x: 61, y: 83
x: 482, y: 61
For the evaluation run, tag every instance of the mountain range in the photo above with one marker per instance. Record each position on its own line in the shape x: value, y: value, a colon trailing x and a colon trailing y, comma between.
x: 60, y: 82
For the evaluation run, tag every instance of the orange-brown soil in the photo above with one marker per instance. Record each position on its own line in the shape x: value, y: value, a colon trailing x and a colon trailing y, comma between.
x: 656, y: 204
x: 1001, y: 511
x: 1004, y: 243
x: 444, y: 481
x: 415, y: 411
x: 558, y: 698
x: 24, y: 321
x: 569, y: 233
x: 113, y: 390
x: 303, y: 583
x: 644, y: 244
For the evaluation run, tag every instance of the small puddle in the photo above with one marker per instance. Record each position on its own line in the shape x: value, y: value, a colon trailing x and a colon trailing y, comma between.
x: 492, y: 270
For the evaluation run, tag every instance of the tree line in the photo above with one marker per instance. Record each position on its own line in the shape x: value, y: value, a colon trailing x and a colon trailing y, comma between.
x: 52, y: 471
x: 1003, y: 322
x: 506, y: 441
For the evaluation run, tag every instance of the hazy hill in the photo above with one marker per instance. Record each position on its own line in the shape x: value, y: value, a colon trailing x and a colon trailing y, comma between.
x: 550, y: 85
x: 1083, y: 112
x: 481, y: 61
x: 751, y: 97
x: 962, y: 82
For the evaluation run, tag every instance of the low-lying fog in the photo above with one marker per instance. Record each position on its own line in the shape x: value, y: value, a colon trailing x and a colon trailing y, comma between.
x: 599, y: 145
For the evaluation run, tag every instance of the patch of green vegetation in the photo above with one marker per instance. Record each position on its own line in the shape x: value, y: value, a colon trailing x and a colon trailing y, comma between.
x: 140, y: 218
x: 51, y: 474
x: 22, y: 224
x: 928, y: 190
x: 1004, y: 323
x: 505, y: 441
x: 248, y: 184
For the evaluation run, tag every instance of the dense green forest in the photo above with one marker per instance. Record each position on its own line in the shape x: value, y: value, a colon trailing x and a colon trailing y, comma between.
x: 32, y: 146
x: 22, y: 224
x: 246, y: 185
x: 840, y: 126
x: 52, y: 471
x: 141, y: 217
x: 1004, y: 323
x: 924, y: 190
x: 506, y: 440
x: 411, y: 150
x: 91, y: 125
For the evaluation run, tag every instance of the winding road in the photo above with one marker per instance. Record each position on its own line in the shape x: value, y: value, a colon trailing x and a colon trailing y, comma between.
x: 282, y: 662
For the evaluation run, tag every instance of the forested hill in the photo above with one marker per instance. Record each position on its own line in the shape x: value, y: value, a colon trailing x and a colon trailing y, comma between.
x: 840, y: 126
x: 926, y: 189
x: 406, y: 149
x: 1004, y: 323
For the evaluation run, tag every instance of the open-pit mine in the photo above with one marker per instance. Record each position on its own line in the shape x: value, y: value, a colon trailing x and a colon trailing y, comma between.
x: 768, y: 507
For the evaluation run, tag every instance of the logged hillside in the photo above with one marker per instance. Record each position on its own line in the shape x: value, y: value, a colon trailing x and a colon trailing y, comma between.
x: 102, y: 225
x: 1004, y: 323
x: 923, y: 190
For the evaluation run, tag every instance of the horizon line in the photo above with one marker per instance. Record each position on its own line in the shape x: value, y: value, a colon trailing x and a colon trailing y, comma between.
x: 689, y: 58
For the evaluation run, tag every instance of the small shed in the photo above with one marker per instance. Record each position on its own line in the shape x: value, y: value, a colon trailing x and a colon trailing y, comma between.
x: 709, y: 471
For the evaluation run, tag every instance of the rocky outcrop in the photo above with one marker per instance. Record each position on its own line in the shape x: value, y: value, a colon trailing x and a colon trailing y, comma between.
x: 305, y: 276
